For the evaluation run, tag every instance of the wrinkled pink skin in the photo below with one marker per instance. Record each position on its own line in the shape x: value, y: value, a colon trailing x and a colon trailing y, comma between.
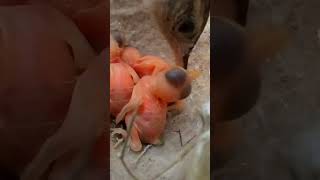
x: 150, y: 65
x: 150, y: 121
x: 122, y: 78
x: 121, y: 86
x: 152, y: 103
x: 143, y: 65
x: 39, y: 64
x: 151, y: 116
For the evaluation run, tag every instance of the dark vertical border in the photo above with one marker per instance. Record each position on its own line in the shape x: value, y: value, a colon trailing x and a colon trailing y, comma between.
x: 241, y: 12
x: 212, y: 123
x: 108, y: 89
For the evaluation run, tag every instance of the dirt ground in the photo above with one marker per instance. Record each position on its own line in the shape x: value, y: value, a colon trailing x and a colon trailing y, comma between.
x: 290, y: 96
x: 139, y: 30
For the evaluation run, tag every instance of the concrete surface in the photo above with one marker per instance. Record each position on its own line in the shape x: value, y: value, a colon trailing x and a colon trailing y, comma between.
x: 290, y: 96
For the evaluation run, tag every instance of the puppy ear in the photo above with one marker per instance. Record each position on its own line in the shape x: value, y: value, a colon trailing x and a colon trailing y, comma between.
x: 265, y: 41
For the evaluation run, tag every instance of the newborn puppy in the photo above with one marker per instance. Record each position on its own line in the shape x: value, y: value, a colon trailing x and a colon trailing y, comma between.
x: 42, y: 53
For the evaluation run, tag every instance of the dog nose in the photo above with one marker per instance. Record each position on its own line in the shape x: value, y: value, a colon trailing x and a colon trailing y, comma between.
x: 176, y: 77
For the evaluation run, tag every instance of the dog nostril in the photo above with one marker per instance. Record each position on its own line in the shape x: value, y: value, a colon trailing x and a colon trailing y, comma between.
x: 176, y: 77
x: 186, y: 91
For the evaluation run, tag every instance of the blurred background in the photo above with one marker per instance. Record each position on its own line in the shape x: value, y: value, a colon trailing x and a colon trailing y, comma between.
x: 289, y: 101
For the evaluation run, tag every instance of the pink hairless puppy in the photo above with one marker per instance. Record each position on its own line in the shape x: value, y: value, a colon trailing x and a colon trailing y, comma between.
x: 148, y: 98
x: 122, y: 79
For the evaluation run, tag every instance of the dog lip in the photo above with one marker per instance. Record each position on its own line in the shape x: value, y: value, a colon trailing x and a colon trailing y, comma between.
x: 186, y: 91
